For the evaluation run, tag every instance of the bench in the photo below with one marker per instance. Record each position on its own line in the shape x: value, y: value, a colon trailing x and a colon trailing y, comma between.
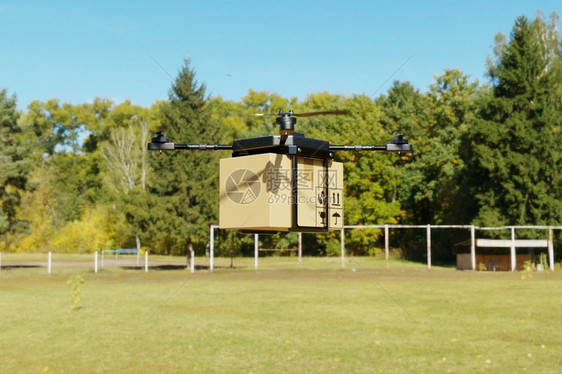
x: 122, y: 251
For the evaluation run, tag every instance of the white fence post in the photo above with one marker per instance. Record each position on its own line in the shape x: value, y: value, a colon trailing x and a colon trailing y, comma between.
x: 551, y: 248
x: 49, y: 263
x: 256, y: 250
x: 138, y: 250
x: 429, y: 246
x: 95, y: 261
x: 472, y: 248
x: 212, y: 248
x: 513, y: 253
x: 192, y: 261
x: 300, y: 250
x: 342, y: 234
x: 386, y: 245
x: 146, y: 261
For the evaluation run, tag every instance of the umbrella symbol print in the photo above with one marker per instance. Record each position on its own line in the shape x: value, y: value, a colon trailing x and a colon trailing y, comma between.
x: 336, y: 215
x: 243, y: 186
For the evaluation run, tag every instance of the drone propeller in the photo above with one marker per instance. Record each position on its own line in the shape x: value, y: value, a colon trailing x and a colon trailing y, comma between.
x: 326, y: 112
x: 286, y: 120
x: 287, y: 123
x: 290, y: 113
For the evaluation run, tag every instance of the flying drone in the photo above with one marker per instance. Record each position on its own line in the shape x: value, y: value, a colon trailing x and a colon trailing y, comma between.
x: 284, y: 182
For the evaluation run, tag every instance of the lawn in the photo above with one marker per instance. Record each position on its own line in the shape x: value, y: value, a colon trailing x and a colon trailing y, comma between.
x: 279, y: 319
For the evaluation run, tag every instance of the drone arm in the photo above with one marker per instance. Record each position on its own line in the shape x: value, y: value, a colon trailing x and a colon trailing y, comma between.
x: 357, y: 148
x: 204, y: 147
x: 385, y: 148
x: 398, y: 144
x: 162, y: 143
x: 189, y: 147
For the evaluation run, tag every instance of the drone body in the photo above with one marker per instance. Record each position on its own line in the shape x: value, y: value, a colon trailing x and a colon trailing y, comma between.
x: 284, y: 182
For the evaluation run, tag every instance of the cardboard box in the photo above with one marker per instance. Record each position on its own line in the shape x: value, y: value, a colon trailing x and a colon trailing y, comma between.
x: 256, y: 193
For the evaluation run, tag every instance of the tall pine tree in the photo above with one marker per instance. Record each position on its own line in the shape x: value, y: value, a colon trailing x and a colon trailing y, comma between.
x: 185, y: 183
x: 517, y: 140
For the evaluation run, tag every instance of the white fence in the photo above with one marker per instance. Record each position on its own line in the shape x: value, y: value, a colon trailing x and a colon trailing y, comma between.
x: 50, y: 263
x: 474, y: 242
x: 512, y: 243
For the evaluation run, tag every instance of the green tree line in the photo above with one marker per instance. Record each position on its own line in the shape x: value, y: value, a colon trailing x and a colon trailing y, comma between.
x: 78, y: 177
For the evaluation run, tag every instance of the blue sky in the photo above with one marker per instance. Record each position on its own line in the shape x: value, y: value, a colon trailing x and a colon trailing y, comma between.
x: 76, y: 50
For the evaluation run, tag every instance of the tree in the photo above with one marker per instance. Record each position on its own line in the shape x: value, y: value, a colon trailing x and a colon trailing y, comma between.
x: 406, y: 110
x: 57, y: 127
x: 14, y: 166
x: 125, y: 161
x: 185, y: 183
x: 443, y: 163
x: 119, y: 135
x: 77, y: 187
x: 125, y: 158
x: 370, y: 180
x: 517, y: 138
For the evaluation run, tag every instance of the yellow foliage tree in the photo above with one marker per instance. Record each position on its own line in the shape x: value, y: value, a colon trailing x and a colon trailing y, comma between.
x: 94, y: 231
x: 87, y: 235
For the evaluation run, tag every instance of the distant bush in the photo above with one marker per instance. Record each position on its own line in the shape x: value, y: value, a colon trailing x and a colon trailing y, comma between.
x: 94, y: 232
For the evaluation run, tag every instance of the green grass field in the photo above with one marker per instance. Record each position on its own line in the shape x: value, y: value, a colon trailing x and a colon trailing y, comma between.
x: 279, y: 319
